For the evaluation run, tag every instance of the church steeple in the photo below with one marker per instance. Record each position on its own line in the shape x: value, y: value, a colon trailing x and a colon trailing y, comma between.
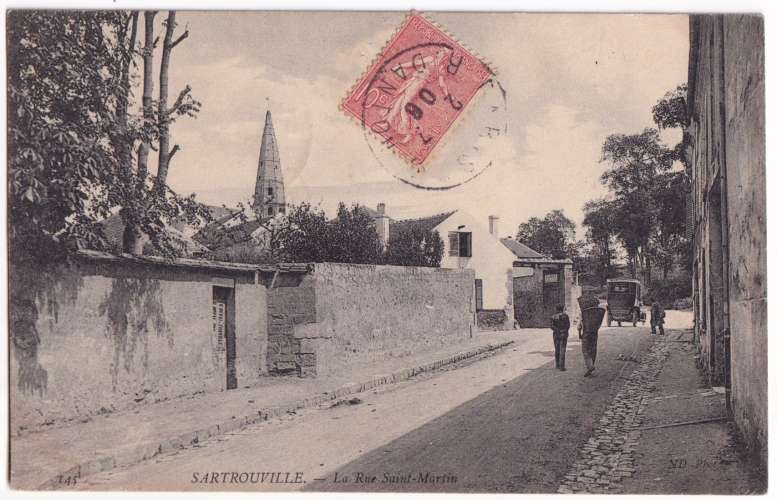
x: 269, y: 196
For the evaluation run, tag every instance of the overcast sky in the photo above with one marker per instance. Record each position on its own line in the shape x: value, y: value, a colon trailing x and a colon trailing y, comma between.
x: 570, y: 79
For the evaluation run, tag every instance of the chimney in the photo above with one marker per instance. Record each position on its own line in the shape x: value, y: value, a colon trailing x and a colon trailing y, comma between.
x: 493, y: 225
x: 382, y: 225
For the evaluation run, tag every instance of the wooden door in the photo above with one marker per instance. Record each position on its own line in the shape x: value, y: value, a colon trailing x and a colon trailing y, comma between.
x: 551, y: 292
x: 224, y: 334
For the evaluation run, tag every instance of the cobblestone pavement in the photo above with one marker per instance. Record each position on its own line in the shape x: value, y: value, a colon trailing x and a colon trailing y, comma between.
x: 608, y: 456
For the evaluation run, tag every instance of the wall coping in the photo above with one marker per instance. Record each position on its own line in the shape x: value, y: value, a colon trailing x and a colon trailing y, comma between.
x: 97, y: 256
x: 397, y: 269
x: 527, y: 260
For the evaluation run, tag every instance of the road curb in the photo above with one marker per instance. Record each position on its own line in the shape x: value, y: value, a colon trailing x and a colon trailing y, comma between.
x: 145, y: 451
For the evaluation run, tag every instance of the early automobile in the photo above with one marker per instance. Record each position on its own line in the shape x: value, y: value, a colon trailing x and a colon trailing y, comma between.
x: 624, y: 301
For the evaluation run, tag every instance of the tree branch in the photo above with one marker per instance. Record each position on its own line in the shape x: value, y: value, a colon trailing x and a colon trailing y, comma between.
x: 179, y: 100
x: 180, y: 39
x: 172, y: 152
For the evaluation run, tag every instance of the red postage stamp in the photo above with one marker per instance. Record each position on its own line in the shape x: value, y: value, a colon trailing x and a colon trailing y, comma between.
x: 416, y: 89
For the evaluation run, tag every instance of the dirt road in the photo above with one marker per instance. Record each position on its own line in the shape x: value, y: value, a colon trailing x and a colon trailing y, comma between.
x: 510, y: 422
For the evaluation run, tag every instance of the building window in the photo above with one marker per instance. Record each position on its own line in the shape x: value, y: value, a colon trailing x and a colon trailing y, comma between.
x: 269, y: 211
x: 479, y: 294
x: 269, y: 191
x: 460, y: 244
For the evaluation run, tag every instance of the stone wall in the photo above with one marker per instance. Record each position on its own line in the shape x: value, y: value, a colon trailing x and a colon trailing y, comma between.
x: 527, y: 297
x: 530, y: 310
x: 291, y: 303
x: 746, y: 169
x: 727, y: 156
x: 342, y: 315
x: 492, y: 320
x: 90, y: 338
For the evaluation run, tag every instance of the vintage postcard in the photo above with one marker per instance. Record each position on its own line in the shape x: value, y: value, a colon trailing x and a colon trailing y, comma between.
x: 397, y: 251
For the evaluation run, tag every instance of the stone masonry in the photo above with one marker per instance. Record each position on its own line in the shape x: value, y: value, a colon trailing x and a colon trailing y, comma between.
x: 342, y: 315
x: 607, y: 457
x: 291, y: 302
x: 726, y: 152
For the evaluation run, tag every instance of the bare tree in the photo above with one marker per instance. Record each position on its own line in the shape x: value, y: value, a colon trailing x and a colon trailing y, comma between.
x: 163, y: 113
x: 133, y: 236
x: 145, y: 207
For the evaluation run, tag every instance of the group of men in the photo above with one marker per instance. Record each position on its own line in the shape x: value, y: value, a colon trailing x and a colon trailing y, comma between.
x: 591, y: 316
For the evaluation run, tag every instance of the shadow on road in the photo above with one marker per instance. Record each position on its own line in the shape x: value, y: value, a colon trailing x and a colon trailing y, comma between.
x: 549, y: 354
x: 521, y: 436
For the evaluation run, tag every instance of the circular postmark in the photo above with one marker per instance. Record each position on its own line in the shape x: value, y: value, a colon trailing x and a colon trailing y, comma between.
x: 412, y: 106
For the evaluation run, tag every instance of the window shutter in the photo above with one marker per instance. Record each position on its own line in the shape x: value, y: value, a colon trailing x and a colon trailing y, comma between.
x: 690, y: 215
x: 453, y: 244
x: 465, y: 244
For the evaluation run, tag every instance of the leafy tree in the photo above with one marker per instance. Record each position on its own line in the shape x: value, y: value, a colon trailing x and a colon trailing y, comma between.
x: 305, y: 234
x: 601, y: 234
x: 646, y: 211
x: 147, y: 204
x: 306, y: 237
x: 72, y: 137
x: 636, y: 161
x: 353, y: 237
x: 61, y: 108
x: 671, y: 111
x: 553, y: 235
x: 669, y: 242
x: 414, y: 246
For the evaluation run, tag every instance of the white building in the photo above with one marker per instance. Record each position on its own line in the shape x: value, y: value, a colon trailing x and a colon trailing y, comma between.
x: 469, y: 244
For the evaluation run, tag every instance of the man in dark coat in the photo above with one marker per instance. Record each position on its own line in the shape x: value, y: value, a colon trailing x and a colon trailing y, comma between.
x: 559, y: 323
x: 657, y: 317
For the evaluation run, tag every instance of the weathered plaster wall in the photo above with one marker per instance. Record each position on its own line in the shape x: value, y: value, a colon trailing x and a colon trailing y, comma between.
x: 727, y: 154
x: 746, y: 169
x: 368, y: 313
x: 705, y: 152
x: 98, y: 338
x: 250, y: 333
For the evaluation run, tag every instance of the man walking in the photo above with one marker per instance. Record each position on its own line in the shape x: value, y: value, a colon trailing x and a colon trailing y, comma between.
x: 591, y: 316
x: 559, y: 323
x: 656, y: 317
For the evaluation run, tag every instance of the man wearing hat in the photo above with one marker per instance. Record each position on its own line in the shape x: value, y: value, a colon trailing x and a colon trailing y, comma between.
x: 559, y: 323
x: 657, y: 315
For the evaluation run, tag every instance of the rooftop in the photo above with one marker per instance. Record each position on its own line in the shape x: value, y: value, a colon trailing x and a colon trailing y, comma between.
x: 520, y: 250
x: 421, y: 224
x: 113, y: 226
